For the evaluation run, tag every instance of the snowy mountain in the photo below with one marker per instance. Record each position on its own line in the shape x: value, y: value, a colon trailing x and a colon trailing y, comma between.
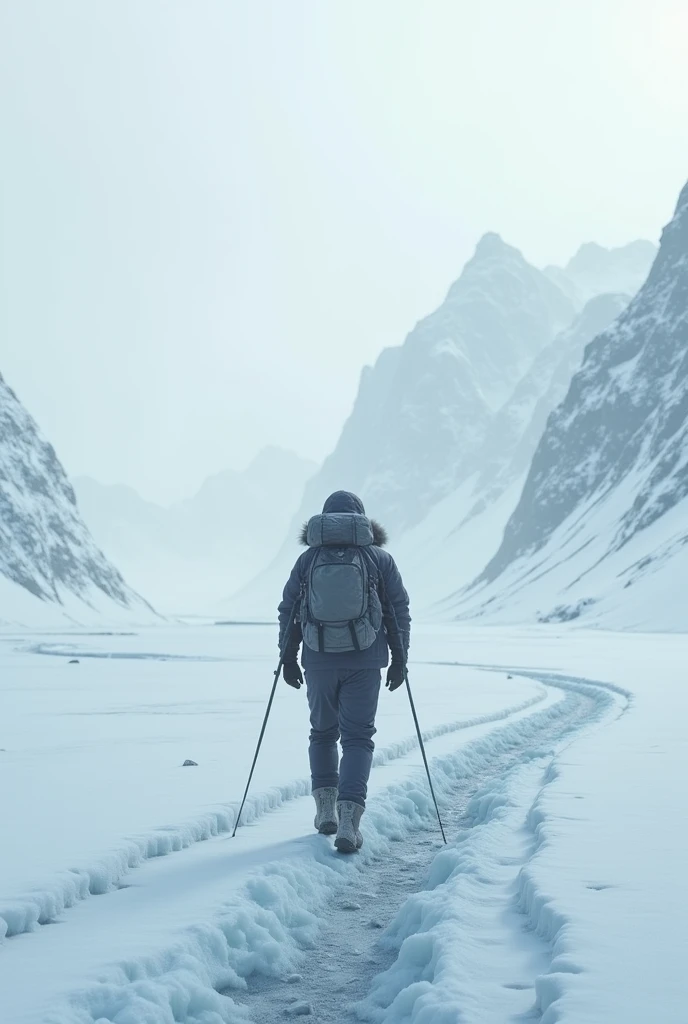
x: 423, y: 412
x: 457, y: 411
x: 461, y: 533
x: 518, y: 426
x: 190, y: 555
x: 51, y: 571
x: 595, y: 270
x: 434, y: 398
x: 601, y: 528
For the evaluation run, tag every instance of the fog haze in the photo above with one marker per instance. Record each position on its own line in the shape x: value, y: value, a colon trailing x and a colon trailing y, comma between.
x: 214, y: 214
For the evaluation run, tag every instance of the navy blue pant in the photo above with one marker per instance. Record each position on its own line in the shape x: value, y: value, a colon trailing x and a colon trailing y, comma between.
x: 343, y: 704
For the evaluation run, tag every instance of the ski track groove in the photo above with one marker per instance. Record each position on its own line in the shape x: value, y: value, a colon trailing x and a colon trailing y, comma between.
x: 218, y: 962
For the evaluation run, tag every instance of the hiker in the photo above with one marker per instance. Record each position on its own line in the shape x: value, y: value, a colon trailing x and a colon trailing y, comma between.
x: 350, y: 610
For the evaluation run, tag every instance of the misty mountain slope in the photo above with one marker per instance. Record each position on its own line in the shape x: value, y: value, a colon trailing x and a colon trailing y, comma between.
x: 47, y: 556
x: 517, y: 428
x: 189, y: 555
x: 455, y: 370
x: 593, y: 518
x: 423, y: 411
x: 450, y: 547
x: 595, y: 270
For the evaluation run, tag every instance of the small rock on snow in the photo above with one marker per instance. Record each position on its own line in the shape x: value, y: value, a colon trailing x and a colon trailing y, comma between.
x: 74, y: 661
x: 350, y: 905
x: 300, y: 1010
x: 190, y: 764
x: 293, y: 979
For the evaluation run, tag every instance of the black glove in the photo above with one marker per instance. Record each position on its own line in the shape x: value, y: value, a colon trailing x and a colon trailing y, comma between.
x: 396, y: 674
x: 292, y: 674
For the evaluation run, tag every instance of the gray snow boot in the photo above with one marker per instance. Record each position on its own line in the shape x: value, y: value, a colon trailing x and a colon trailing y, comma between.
x: 325, y: 810
x: 349, y: 838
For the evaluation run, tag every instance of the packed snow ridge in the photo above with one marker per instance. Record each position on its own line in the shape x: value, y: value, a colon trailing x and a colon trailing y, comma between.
x: 49, y: 563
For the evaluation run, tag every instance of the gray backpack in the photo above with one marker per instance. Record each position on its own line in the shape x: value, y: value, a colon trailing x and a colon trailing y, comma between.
x: 340, y: 605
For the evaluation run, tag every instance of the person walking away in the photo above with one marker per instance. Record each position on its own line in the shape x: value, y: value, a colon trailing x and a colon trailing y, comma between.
x: 346, y: 603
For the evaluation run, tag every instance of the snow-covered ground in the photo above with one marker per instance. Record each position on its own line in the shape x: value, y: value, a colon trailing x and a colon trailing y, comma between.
x: 558, y: 757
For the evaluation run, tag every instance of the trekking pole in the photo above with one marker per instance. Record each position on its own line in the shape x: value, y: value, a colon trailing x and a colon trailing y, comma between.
x: 391, y: 614
x: 422, y: 750
x: 267, y: 715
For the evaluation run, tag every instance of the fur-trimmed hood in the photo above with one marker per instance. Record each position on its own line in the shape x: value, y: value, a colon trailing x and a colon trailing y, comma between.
x: 348, y: 503
x: 379, y: 534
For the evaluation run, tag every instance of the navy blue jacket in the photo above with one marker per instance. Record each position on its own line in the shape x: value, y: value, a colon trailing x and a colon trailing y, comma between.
x: 395, y: 604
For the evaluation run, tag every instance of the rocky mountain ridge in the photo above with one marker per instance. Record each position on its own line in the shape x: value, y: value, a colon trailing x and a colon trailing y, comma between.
x: 604, y: 503
x: 45, y: 547
x: 445, y: 407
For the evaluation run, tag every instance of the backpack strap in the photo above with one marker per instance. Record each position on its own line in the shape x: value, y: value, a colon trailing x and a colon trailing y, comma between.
x: 388, y: 614
x: 354, y: 637
x: 372, y: 564
x: 306, y: 573
x: 313, y: 553
x: 304, y: 591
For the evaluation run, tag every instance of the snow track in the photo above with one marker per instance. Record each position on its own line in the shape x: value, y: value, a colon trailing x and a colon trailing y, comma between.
x: 382, y: 977
x: 298, y: 929
x: 480, y: 942
x: 48, y: 902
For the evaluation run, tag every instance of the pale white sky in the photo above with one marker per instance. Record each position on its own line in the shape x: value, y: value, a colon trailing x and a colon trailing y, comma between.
x: 215, y: 212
